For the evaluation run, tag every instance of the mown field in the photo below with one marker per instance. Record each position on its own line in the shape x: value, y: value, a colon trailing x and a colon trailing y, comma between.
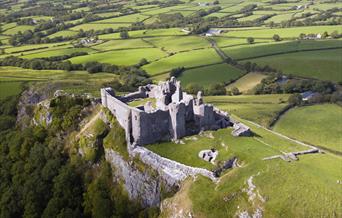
x: 247, y: 82
x: 318, y: 124
x: 285, y: 33
x: 185, y: 59
x: 269, y: 49
x: 205, y: 76
x: 324, y: 65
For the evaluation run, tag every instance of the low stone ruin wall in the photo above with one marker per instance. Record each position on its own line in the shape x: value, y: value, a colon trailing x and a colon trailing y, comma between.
x: 171, y: 171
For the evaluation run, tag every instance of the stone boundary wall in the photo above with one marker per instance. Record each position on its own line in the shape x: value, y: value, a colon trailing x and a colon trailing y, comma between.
x: 172, y: 171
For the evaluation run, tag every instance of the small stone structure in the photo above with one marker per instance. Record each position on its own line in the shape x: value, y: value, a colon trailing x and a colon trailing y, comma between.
x: 177, y: 114
x: 241, y: 129
x: 208, y: 155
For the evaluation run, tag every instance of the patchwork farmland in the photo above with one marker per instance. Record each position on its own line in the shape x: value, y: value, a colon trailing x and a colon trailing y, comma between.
x: 271, y: 69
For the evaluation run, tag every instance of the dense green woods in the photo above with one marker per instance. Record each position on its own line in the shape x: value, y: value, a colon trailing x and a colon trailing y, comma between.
x: 41, y: 177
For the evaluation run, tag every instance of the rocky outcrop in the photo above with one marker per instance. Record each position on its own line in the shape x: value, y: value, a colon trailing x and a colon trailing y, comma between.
x: 27, y: 101
x: 140, y: 186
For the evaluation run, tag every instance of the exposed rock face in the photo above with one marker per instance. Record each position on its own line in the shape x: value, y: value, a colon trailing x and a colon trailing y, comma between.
x: 139, y: 185
x: 28, y: 99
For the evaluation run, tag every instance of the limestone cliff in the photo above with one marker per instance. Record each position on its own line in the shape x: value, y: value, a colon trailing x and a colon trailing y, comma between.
x: 140, y: 185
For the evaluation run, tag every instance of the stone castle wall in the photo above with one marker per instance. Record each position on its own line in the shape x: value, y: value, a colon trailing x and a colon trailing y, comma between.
x: 175, y: 111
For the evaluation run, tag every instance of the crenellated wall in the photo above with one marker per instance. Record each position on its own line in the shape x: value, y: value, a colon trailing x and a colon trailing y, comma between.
x: 176, y: 115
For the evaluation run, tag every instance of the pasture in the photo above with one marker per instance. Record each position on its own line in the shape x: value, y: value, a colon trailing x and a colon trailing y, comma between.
x: 179, y: 43
x: 79, y: 82
x: 16, y: 29
x: 257, y: 108
x: 219, y: 73
x: 268, y: 49
x: 8, y: 89
x: 56, y: 52
x: 285, y: 33
x: 318, y: 124
x: 184, y: 59
x: 324, y: 65
x: 247, y: 82
x: 121, y: 44
x: 121, y: 57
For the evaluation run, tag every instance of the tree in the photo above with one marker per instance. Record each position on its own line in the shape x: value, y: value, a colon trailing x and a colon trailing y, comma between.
x: 235, y: 91
x: 176, y: 72
x: 193, y: 88
x: 302, y: 36
x: 325, y: 35
x: 216, y: 89
x: 335, y: 35
x: 295, y: 99
x: 250, y: 40
x: 124, y: 35
x: 276, y: 38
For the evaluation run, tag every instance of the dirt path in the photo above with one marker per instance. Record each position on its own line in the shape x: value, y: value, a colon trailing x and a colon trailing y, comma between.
x: 90, y: 122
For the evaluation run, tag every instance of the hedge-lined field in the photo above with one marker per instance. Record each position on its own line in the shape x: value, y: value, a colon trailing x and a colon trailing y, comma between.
x: 324, y: 65
x: 317, y: 124
x: 205, y: 76
x: 184, y: 59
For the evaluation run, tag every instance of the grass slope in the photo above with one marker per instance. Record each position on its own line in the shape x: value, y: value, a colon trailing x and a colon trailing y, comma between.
x: 257, y: 108
x: 121, y: 57
x: 324, y: 65
x: 209, y: 75
x: 317, y: 124
x: 184, y: 59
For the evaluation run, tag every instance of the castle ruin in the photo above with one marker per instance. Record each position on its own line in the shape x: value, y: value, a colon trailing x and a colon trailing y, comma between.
x: 175, y: 114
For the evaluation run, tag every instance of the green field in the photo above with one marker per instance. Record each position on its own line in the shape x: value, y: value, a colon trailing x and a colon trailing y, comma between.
x: 16, y: 29
x: 98, y: 26
x: 226, y: 144
x: 282, y: 32
x: 307, y: 188
x: 184, y: 59
x: 247, y: 82
x: 319, y: 125
x: 121, y: 44
x: 24, y: 48
x: 146, y: 33
x: 267, y: 49
x: 125, y: 19
x: 9, y: 89
x: 257, y: 108
x: 65, y: 33
x: 57, y: 52
x: 205, y: 76
x: 75, y: 82
x: 324, y: 65
x: 121, y: 57
x: 178, y: 43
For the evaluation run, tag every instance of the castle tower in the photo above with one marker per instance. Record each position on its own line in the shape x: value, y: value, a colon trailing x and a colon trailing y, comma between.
x: 178, y: 95
x: 177, y: 116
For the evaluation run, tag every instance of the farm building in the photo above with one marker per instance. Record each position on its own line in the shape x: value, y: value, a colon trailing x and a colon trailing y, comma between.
x: 213, y: 32
x: 307, y: 95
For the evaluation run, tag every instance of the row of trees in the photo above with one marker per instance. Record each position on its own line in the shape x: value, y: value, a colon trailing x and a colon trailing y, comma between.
x: 130, y: 77
x: 275, y: 83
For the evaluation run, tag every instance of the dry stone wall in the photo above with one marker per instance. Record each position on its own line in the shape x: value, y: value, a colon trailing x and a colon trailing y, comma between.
x: 171, y: 171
